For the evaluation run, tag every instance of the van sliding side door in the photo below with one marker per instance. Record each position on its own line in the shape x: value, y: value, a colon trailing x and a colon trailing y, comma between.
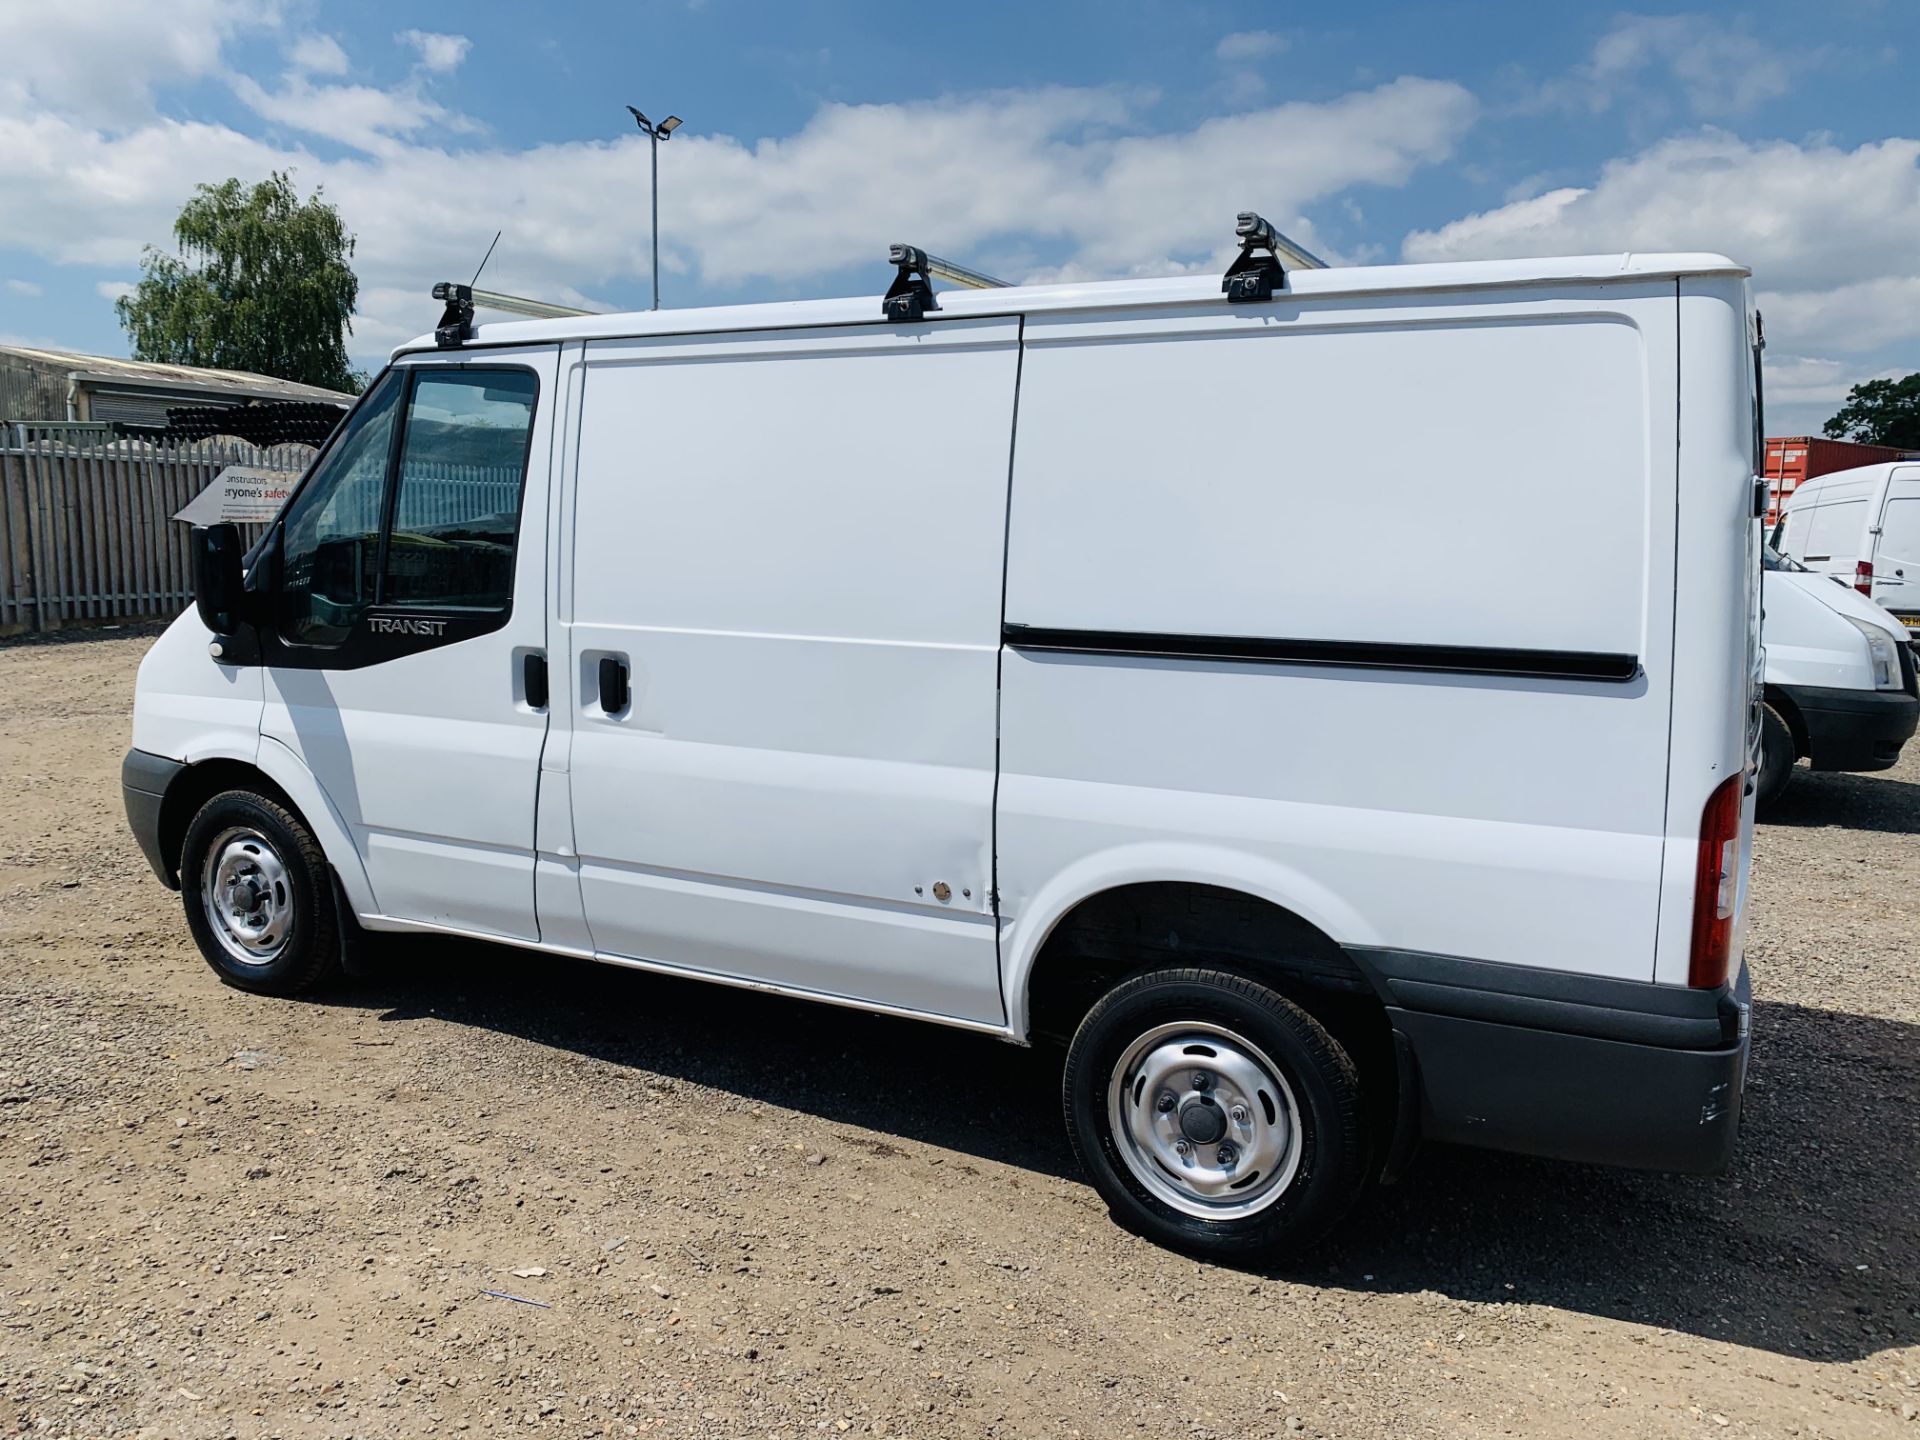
x: 784, y: 635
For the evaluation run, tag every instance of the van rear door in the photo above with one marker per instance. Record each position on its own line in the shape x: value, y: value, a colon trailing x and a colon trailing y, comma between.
x: 1827, y: 538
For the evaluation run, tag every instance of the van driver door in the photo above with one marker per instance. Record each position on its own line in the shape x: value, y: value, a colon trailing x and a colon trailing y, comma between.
x: 405, y: 654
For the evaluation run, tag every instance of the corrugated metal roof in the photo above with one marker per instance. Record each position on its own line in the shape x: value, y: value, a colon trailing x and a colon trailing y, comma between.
x: 107, y: 369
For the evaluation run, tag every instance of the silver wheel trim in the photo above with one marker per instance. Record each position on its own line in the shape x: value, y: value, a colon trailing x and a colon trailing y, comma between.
x: 1263, y: 1120
x: 247, y: 895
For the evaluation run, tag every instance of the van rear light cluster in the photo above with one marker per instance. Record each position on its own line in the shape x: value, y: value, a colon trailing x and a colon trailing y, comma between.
x: 1863, y: 577
x: 1716, y: 884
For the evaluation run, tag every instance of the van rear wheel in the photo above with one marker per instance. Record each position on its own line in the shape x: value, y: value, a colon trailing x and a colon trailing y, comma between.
x: 1214, y: 1115
x: 259, y: 895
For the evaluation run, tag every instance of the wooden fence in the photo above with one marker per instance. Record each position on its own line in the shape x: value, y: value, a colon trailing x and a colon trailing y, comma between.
x: 86, y: 528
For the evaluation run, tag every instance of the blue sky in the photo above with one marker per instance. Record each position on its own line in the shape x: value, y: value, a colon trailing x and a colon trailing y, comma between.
x: 1035, y: 140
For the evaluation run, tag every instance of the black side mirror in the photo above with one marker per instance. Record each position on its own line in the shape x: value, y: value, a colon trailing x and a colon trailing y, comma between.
x: 218, y: 584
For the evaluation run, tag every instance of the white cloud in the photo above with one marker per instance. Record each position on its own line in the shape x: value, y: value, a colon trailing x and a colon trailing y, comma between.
x: 318, y: 55
x: 357, y: 115
x: 77, y: 195
x: 439, y: 53
x: 23, y: 287
x: 111, y: 289
x: 1803, y: 391
x: 1832, y: 235
x: 102, y: 60
x: 1245, y: 46
x: 1807, y: 380
x: 1718, y: 67
x: 1862, y: 316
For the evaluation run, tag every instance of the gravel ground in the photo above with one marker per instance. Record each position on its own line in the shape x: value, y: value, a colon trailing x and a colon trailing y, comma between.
x: 229, y: 1216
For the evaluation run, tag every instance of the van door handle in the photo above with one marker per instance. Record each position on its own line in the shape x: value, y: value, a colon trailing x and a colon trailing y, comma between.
x: 533, y: 680
x: 613, y: 684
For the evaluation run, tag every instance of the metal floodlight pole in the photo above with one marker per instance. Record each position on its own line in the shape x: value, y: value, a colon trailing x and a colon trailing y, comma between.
x: 655, y: 134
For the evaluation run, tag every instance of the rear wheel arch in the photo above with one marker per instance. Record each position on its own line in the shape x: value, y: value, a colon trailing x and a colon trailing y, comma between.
x: 1125, y: 928
x: 1128, y: 929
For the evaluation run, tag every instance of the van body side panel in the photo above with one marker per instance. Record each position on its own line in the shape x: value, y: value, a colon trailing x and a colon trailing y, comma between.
x: 1717, y: 618
x: 191, y: 706
x: 1512, y: 492
x: 792, y: 544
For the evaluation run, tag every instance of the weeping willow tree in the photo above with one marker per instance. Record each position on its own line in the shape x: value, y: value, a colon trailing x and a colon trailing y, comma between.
x: 261, y: 282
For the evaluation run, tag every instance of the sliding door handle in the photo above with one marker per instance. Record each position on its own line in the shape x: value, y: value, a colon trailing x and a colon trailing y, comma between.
x: 613, y: 684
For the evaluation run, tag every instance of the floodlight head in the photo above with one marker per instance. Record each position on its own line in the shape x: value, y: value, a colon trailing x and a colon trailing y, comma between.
x: 669, y: 125
x: 640, y: 120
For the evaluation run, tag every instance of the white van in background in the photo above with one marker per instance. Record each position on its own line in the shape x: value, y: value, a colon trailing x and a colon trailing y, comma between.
x: 1048, y: 662
x: 1862, y: 526
x: 1840, y: 685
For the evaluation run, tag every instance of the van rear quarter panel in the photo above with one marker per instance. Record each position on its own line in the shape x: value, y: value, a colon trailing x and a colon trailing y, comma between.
x: 1514, y: 488
x: 1716, y: 626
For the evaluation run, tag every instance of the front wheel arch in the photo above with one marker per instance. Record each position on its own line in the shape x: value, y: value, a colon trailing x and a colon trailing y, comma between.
x: 196, y: 785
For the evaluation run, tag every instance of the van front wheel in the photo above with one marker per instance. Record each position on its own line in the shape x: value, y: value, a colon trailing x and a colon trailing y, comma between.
x: 258, y: 895
x: 1214, y: 1115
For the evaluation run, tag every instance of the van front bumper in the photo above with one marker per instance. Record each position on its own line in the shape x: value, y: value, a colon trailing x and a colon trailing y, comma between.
x: 144, y: 778
x: 1539, y: 1062
x: 1854, y: 729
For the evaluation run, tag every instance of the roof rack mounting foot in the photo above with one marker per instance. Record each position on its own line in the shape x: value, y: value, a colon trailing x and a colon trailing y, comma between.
x: 1255, y: 274
x: 456, y: 322
x: 911, y: 294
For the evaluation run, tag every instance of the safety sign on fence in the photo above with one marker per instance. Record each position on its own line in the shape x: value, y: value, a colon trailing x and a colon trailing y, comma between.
x: 242, y: 494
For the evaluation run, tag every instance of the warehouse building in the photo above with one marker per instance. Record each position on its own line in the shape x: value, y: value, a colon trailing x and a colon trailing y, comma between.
x: 42, y: 386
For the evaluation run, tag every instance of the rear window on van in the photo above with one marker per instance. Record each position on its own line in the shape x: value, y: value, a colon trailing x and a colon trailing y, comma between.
x: 1900, y: 526
x: 1833, y: 531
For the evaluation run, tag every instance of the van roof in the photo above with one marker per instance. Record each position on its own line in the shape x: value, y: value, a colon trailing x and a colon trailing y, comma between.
x: 1097, y: 295
x: 1870, y: 475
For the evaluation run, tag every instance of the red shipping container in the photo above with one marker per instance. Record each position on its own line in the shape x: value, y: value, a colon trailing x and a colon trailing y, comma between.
x: 1793, y: 459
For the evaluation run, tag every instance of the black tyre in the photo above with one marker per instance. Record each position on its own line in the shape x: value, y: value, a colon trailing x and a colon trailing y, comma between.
x: 1214, y: 1115
x: 1776, y: 758
x: 259, y: 895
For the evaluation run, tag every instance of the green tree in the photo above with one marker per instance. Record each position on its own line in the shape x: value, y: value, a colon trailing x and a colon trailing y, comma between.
x: 1881, y: 412
x: 261, y: 283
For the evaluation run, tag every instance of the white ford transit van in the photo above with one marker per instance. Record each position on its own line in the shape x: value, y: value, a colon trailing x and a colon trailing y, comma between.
x: 1862, y: 526
x: 1078, y: 661
x: 1840, y: 685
